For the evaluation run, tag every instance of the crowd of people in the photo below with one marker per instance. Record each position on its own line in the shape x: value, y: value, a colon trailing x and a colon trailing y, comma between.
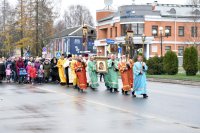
x: 79, y: 71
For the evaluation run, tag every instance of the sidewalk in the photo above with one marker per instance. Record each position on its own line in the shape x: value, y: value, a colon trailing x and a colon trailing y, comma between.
x: 173, y: 81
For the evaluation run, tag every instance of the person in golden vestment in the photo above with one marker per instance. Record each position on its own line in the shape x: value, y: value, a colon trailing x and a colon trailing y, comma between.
x: 61, y: 70
x: 80, y: 68
x: 124, y: 68
x: 72, y: 66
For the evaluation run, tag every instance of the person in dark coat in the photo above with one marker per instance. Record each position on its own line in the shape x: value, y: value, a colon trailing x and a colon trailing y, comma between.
x: 2, y: 70
x: 54, y: 70
x: 14, y: 70
x: 46, y: 67
x: 8, y: 62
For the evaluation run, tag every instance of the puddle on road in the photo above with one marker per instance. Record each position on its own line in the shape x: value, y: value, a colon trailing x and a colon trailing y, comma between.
x: 36, y: 128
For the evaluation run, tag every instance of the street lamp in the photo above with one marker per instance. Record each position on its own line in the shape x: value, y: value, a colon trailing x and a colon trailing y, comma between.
x: 143, y: 41
x: 161, y: 36
x: 129, y: 43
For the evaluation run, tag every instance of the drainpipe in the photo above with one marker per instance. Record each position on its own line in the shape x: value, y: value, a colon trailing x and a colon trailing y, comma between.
x: 175, y: 29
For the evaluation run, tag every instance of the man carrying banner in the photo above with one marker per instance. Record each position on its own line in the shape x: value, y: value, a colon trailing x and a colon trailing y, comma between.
x: 92, y: 70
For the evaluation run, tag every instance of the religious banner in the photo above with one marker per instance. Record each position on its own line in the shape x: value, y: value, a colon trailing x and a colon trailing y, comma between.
x: 101, y: 64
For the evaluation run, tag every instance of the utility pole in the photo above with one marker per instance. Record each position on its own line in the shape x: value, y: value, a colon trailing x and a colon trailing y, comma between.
x: 37, y: 30
x: 22, y: 19
x: 4, y: 23
x: 4, y: 15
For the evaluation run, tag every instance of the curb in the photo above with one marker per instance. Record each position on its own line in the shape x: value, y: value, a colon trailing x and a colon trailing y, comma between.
x: 181, y: 82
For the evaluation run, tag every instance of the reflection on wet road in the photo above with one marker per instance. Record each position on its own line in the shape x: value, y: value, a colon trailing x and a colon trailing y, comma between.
x: 55, y: 109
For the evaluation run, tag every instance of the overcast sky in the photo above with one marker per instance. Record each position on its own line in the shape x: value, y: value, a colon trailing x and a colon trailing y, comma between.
x: 94, y: 5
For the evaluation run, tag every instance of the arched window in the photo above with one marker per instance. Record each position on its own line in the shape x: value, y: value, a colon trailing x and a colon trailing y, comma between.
x: 172, y: 11
x: 197, y: 12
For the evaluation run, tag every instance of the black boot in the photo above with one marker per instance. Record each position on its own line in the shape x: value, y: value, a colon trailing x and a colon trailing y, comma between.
x: 133, y: 94
x: 122, y: 91
x: 145, y: 96
x: 92, y: 88
x: 75, y: 87
x: 108, y: 88
x: 126, y: 93
x: 116, y: 90
x: 78, y: 88
x: 111, y: 90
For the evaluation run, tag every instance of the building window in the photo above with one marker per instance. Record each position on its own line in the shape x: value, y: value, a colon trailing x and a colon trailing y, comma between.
x: 115, y: 31
x: 180, y: 50
x: 138, y: 28
x: 155, y: 28
x: 124, y: 28
x: 194, y: 31
x: 167, y: 48
x: 181, y: 31
x: 170, y: 30
x: 110, y: 32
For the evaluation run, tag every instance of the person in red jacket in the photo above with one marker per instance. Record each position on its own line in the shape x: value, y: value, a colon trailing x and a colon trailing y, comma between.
x: 33, y: 73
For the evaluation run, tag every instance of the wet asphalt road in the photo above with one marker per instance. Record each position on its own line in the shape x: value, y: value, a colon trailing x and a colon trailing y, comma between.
x: 54, y: 109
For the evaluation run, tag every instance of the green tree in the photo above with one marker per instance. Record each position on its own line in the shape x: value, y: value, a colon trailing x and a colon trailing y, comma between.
x: 190, y: 61
x: 170, y: 63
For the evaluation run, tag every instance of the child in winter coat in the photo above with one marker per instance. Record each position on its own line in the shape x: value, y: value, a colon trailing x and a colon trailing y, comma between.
x: 8, y: 73
x: 33, y: 73
x: 40, y: 74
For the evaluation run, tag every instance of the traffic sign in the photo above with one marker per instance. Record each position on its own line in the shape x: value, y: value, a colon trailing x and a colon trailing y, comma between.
x: 58, y: 55
x: 44, y: 49
x: 110, y: 41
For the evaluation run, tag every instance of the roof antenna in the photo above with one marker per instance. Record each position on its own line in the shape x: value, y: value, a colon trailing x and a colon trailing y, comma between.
x: 108, y: 4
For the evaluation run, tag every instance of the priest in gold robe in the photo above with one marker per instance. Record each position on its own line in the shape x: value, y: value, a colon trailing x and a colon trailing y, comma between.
x: 61, y: 70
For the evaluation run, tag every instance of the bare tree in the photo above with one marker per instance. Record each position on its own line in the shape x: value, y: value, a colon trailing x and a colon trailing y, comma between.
x: 76, y: 15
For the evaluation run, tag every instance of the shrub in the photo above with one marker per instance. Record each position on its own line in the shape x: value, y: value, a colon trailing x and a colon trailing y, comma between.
x: 199, y: 66
x: 155, y: 66
x: 170, y: 63
x: 190, y: 61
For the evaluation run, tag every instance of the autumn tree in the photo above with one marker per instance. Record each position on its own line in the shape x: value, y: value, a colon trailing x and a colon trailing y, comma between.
x: 35, y: 24
x: 7, y: 20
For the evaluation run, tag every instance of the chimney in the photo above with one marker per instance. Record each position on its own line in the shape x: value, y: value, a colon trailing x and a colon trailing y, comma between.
x: 154, y: 4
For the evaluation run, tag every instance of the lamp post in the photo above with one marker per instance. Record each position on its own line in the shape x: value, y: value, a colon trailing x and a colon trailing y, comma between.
x: 143, y: 41
x: 129, y: 43
x: 161, y: 36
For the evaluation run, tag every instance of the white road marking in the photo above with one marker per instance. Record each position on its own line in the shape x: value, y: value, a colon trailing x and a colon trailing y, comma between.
x: 176, y: 94
x: 148, y: 116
